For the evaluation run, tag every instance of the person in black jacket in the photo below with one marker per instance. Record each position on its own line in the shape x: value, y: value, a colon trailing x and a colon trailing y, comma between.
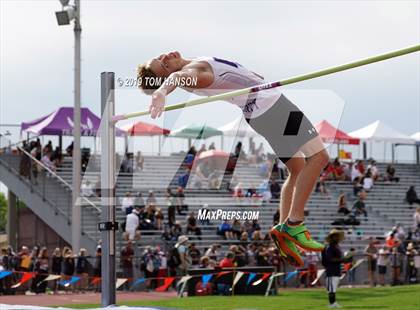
x: 332, y: 257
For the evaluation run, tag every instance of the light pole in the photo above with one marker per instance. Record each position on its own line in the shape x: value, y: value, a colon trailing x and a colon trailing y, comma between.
x: 67, y: 14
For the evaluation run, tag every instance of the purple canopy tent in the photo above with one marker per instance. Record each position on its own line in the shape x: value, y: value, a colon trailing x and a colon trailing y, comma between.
x: 60, y: 123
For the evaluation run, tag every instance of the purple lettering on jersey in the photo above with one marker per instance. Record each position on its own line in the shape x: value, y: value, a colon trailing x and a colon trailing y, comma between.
x: 264, y: 86
x: 227, y: 62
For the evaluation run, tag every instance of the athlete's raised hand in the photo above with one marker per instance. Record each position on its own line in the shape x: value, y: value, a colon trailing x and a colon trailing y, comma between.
x: 158, y: 104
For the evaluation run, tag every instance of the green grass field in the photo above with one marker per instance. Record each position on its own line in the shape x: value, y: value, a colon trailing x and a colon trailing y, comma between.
x: 392, y: 298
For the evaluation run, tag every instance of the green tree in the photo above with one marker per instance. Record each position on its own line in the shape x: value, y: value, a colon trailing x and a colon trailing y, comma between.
x: 3, y: 212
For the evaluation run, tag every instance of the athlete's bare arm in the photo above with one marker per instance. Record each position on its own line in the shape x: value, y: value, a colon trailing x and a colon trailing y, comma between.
x: 195, y: 70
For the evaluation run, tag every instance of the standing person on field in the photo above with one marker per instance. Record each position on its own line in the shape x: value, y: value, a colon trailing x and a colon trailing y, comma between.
x: 372, y: 258
x: 288, y: 131
x: 332, y: 257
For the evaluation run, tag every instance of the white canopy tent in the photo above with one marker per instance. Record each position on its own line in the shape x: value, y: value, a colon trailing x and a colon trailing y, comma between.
x: 238, y: 129
x: 381, y: 132
x: 416, y: 136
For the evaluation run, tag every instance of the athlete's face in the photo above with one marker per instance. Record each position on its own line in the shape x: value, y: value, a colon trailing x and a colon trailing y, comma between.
x: 165, y: 64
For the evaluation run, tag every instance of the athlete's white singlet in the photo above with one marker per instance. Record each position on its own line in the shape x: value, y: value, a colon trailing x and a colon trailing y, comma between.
x: 229, y: 76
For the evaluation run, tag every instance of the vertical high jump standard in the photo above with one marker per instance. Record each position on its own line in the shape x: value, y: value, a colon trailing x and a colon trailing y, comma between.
x: 109, y: 119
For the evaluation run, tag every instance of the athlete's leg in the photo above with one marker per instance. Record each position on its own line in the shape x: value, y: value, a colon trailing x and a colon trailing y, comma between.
x: 294, y: 167
x: 305, y: 183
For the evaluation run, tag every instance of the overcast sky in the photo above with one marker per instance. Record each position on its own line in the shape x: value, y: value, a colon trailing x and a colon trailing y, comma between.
x: 277, y: 39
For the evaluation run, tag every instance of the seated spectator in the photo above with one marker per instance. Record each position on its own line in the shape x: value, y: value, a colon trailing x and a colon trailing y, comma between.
x: 159, y: 217
x: 338, y: 171
x: 411, y: 196
x: 262, y: 256
x: 212, y: 146
x: 374, y: 171
x: 127, y: 203
x: 139, y: 201
x: 228, y: 261
x: 237, y: 228
x: 48, y: 148
x: 239, y: 252
x: 131, y: 226
x: 359, y: 207
x: 176, y: 230
x: 367, y: 181
x: 205, y: 262
x: 87, y: 189
x: 342, y: 204
x: 192, y: 225
x: 214, y: 252
x: 244, y: 238
x: 193, y: 255
x: 355, y: 172
x: 360, y: 166
x: 390, y: 174
x: 225, y: 230
x: 57, y: 156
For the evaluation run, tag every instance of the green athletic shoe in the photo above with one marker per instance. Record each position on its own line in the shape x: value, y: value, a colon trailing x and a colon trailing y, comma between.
x: 287, y: 249
x: 300, y: 235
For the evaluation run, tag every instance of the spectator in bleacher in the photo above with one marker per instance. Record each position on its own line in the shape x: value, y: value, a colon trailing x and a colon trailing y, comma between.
x: 151, y: 199
x: 367, y: 181
x: 390, y: 174
x: 228, y: 261
x: 87, y: 189
x: 361, y: 167
x: 236, y: 228
x: 355, y: 172
x: 181, y: 205
x: 159, y: 217
x: 176, y: 230
x: 127, y: 257
x: 127, y: 203
x: 205, y: 262
x: 372, y: 259
x: 257, y: 237
x: 57, y: 156
x: 411, y: 196
x: 359, y: 207
x: 338, y: 170
x: 416, y: 217
x: 69, y: 149
x: 194, y: 255
x: 82, y: 269
x: 46, y: 160
x: 139, y: 201
x: 225, y: 230
x: 48, y: 148
x: 140, y: 161
x: 192, y: 225
x: 148, y: 220
x: 357, y: 186
x: 274, y: 190
x: 238, y: 151
x: 213, y: 252
x: 171, y: 213
x: 262, y: 256
x: 238, y: 193
x: 373, y: 170
x: 205, y: 211
x: 212, y: 146
x: 192, y: 151
x: 131, y: 225
x: 382, y: 265
x: 342, y: 204
x: 181, y: 247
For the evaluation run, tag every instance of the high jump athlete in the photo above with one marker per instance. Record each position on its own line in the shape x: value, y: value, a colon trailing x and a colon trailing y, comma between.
x: 290, y: 134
